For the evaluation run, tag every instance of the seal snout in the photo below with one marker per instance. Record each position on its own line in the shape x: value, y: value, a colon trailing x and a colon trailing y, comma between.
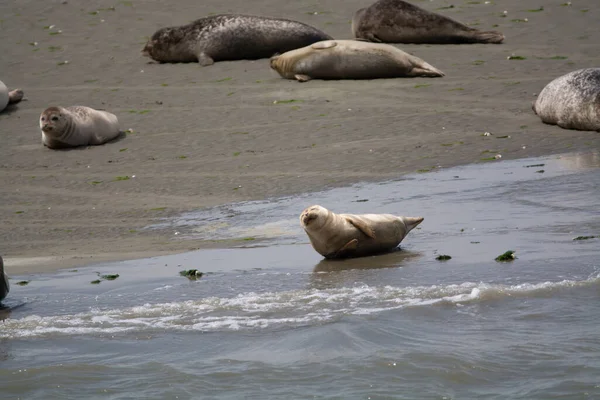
x: 412, y: 222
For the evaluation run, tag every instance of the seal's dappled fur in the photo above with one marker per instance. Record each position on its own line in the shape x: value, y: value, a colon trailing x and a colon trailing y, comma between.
x: 350, y: 59
x: 397, y: 21
x: 74, y: 126
x: 571, y: 101
x: 6, y: 97
x: 4, y: 285
x: 230, y: 37
x: 348, y: 235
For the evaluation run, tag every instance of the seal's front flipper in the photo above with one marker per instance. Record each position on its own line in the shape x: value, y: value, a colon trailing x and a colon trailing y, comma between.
x: 351, y: 245
x: 361, y: 226
x: 302, y: 78
x: 15, y: 96
x: 205, y: 60
x: 427, y: 71
x: 324, y: 44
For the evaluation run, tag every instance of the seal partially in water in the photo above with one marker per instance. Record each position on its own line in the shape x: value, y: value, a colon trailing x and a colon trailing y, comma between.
x: 229, y: 37
x: 4, y: 285
x: 64, y: 127
x: 350, y: 59
x: 571, y: 101
x: 348, y: 235
x: 397, y: 21
x: 6, y: 97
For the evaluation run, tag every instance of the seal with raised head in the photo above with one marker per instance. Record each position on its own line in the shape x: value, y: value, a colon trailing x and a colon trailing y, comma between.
x: 571, y: 101
x: 350, y: 59
x: 348, y: 235
x: 4, y: 285
x: 74, y: 126
x: 397, y: 21
x: 229, y: 37
x: 9, y: 97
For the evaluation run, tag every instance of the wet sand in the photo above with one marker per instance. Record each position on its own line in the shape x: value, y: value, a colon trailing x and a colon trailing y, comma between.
x: 236, y: 131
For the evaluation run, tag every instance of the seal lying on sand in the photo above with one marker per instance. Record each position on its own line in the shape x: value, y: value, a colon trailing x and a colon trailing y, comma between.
x: 6, y: 97
x: 350, y: 59
x: 229, y: 37
x: 571, y: 101
x: 4, y: 285
x: 77, y: 126
x: 396, y: 21
x: 347, y: 235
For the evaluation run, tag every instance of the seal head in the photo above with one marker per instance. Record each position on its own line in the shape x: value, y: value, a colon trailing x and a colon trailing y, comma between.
x: 53, y: 122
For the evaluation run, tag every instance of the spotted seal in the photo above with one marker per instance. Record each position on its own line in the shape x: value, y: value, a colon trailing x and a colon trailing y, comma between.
x: 348, y: 235
x: 571, y: 101
x: 229, y: 37
x: 74, y: 126
x: 350, y: 59
x: 397, y: 21
x: 4, y: 285
x: 9, y: 97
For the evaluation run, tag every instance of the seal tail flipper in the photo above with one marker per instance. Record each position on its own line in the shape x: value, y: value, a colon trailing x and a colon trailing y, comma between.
x: 494, y: 37
x: 411, y: 222
x: 425, y: 69
x: 302, y: 78
x: 15, y: 96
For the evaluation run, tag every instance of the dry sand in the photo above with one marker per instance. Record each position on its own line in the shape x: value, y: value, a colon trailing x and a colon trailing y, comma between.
x: 205, y: 136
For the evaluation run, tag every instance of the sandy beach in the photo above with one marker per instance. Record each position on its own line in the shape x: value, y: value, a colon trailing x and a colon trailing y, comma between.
x: 235, y: 131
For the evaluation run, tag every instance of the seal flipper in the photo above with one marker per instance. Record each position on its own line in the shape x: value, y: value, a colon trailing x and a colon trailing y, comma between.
x: 302, y: 78
x: 351, y: 245
x: 361, y: 226
x: 205, y: 60
x: 324, y: 44
x: 15, y: 96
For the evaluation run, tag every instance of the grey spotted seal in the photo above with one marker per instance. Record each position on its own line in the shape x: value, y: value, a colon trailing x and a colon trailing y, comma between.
x: 229, y: 37
x: 350, y: 59
x: 397, y: 21
x: 74, y: 126
x: 9, y: 97
x: 571, y: 101
x: 348, y: 235
x: 4, y: 285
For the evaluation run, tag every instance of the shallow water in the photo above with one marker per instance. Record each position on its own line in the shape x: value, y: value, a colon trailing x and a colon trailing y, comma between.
x: 271, y: 319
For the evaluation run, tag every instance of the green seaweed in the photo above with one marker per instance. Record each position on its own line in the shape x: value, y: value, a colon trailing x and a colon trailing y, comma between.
x: 537, y: 9
x: 121, y: 178
x: 22, y: 283
x: 506, y: 256
x: 191, y: 274
x: 158, y: 209
x: 443, y: 257
x: 96, y: 282
x: 287, y: 101
x: 422, y: 85
x: 584, y: 237
x: 516, y: 58
x: 110, y: 277
x: 534, y: 165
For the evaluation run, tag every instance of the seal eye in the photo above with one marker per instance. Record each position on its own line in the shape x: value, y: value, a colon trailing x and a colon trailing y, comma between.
x: 54, y: 118
x: 43, y: 118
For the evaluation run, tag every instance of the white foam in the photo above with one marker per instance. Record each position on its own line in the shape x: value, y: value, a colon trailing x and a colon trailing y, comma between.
x: 271, y: 309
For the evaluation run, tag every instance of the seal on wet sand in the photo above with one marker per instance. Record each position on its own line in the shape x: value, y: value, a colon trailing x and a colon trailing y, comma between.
x: 571, y: 101
x: 64, y: 127
x: 350, y: 59
x: 4, y: 285
x: 6, y: 97
x: 397, y: 21
x: 229, y: 37
x: 348, y: 235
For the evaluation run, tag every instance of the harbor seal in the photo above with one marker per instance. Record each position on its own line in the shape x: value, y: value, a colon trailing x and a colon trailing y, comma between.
x: 397, y: 21
x: 229, y: 37
x: 4, y: 285
x: 64, y: 127
x: 350, y: 59
x: 6, y: 97
x: 348, y: 235
x: 571, y: 101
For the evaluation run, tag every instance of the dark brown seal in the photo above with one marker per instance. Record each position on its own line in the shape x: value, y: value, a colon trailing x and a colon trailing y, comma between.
x: 230, y: 37
x: 571, y: 101
x: 4, y: 285
x: 396, y: 21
